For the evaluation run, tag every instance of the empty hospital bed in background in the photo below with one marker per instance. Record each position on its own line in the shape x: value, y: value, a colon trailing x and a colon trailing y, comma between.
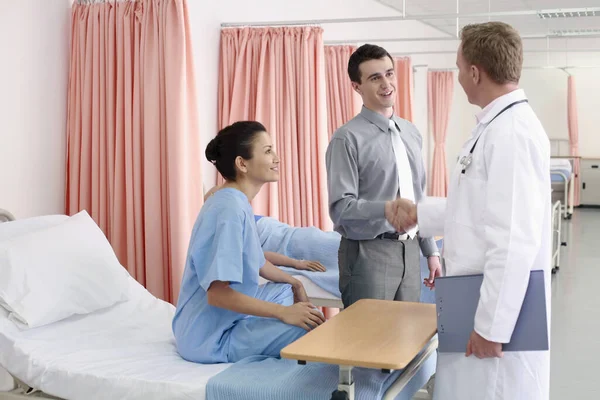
x: 562, y: 179
x: 562, y: 176
x: 557, y: 241
x: 124, y: 351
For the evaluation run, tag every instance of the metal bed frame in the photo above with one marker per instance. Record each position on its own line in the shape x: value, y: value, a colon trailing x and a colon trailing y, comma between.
x: 24, y: 391
x: 557, y: 242
x: 569, y: 187
x: 561, y: 209
x: 557, y: 151
x: 327, y: 303
x: 5, y: 216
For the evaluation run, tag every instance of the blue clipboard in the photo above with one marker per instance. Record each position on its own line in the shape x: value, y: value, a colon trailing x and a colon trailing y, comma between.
x: 456, y: 300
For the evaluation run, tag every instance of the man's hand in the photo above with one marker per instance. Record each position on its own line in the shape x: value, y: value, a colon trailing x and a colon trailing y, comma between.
x: 482, y: 348
x: 299, y: 292
x: 401, y: 214
x: 435, y: 270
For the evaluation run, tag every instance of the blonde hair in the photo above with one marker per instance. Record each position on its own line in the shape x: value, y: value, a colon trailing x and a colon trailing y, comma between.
x: 496, y: 47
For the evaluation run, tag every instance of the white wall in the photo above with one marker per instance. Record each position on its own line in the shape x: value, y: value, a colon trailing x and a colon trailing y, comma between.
x: 34, y: 70
x: 588, y: 92
x: 206, y: 17
x: 34, y: 38
x: 547, y: 93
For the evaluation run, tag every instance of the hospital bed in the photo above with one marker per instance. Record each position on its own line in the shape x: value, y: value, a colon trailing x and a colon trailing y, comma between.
x: 126, y: 351
x: 561, y: 174
x: 557, y: 241
x: 311, y: 243
x: 318, y: 296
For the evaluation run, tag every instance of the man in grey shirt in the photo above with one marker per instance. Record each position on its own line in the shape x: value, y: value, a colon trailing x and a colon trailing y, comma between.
x: 372, y: 161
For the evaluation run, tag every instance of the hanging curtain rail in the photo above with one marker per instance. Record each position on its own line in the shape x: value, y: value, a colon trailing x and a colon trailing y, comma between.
x: 418, y: 17
x: 564, y: 67
x: 101, y: 1
x: 453, y: 39
x: 413, y: 53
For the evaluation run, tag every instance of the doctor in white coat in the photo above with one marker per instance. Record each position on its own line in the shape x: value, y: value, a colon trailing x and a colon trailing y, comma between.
x: 496, y: 220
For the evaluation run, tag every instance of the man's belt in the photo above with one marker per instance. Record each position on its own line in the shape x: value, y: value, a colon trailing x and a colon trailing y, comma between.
x: 392, y: 236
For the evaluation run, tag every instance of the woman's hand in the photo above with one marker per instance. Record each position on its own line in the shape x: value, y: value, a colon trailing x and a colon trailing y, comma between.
x: 306, y: 265
x: 300, y: 295
x: 303, y: 315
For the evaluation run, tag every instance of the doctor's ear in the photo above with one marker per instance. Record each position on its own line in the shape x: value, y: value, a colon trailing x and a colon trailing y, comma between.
x: 356, y: 88
x: 475, y: 74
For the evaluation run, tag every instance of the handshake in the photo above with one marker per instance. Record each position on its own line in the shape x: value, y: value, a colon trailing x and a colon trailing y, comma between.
x: 401, y: 213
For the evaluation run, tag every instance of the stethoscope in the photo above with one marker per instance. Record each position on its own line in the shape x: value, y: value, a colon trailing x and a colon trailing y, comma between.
x: 467, y: 160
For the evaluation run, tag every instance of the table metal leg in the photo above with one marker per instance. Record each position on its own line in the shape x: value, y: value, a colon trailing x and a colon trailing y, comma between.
x: 345, y: 390
x: 411, y: 370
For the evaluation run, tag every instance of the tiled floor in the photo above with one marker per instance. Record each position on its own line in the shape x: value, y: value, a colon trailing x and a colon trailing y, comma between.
x: 575, y: 341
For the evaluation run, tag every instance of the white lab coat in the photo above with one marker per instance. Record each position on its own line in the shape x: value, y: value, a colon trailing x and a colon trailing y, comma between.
x: 497, y: 221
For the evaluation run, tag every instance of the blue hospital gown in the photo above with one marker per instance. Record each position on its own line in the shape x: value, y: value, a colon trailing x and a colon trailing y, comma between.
x: 225, y: 247
x: 301, y: 243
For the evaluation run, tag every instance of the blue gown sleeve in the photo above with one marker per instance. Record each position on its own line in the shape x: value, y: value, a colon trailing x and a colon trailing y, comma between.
x: 222, y: 259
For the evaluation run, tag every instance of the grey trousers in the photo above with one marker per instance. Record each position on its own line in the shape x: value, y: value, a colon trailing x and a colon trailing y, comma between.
x: 381, y: 269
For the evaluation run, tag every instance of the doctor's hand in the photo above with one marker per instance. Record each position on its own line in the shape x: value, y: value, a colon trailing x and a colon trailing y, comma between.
x: 482, y: 348
x: 435, y: 270
x: 303, y: 315
x: 401, y: 214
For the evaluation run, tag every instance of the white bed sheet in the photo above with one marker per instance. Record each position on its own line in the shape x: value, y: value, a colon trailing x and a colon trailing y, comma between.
x: 125, y: 352
x: 561, y: 164
x: 312, y: 289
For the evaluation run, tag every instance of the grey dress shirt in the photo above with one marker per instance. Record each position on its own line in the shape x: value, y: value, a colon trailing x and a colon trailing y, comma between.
x: 362, y: 175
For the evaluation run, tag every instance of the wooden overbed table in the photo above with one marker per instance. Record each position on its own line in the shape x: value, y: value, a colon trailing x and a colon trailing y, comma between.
x: 378, y: 334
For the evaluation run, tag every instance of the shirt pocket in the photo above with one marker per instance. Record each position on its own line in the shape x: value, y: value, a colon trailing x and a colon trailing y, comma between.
x: 470, y: 201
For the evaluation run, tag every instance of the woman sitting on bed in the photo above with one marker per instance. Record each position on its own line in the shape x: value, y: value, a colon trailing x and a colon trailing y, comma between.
x: 223, y: 315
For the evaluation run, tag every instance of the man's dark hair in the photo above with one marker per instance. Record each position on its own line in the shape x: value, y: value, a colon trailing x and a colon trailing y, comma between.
x: 364, y: 53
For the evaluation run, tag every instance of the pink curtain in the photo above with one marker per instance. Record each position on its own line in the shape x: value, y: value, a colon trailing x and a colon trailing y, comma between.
x: 277, y: 77
x: 133, y: 152
x: 440, y: 87
x: 404, y: 88
x: 573, y: 135
x: 343, y: 103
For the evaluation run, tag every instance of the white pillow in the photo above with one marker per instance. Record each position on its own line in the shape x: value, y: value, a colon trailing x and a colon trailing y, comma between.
x: 60, y: 271
x: 12, y: 229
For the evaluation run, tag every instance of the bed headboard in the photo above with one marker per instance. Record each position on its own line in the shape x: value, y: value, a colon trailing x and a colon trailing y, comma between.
x: 560, y: 148
x: 5, y: 216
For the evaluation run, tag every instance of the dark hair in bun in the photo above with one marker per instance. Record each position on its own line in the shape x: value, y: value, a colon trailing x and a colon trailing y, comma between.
x: 231, y: 142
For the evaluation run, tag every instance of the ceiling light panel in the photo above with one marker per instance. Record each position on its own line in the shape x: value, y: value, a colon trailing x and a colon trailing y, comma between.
x: 574, y: 32
x: 569, y: 13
